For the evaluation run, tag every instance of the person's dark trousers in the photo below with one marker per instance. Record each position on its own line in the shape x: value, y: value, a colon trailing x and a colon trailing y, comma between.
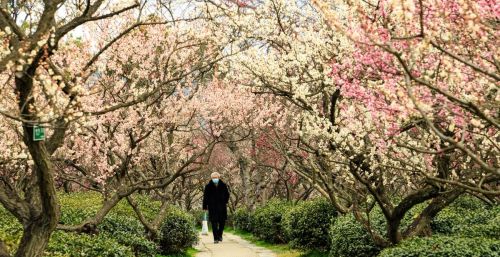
x: 217, y: 229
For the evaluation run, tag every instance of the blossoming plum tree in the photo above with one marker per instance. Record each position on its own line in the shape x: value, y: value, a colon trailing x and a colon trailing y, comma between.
x: 382, y: 100
x: 426, y: 73
x: 377, y: 103
x: 83, y: 91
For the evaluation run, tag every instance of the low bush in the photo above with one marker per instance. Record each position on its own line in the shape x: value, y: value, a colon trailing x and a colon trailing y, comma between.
x: 242, y: 219
x: 75, y: 245
x: 468, y: 202
x: 74, y: 216
x: 307, y: 224
x: 488, y: 229
x: 350, y: 239
x: 266, y: 221
x: 177, y: 232
x: 120, y: 233
x: 65, y: 244
x: 445, y: 246
x: 230, y: 219
x: 128, y: 231
x: 468, y: 217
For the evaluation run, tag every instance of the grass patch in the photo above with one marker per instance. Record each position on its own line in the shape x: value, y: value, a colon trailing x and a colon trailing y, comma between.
x: 282, y: 250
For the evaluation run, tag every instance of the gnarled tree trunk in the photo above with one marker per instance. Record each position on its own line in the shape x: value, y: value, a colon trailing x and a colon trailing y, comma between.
x: 35, y: 238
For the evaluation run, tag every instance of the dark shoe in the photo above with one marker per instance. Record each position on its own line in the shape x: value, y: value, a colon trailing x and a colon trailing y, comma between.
x: 220, y: 239
x: 216, y: 241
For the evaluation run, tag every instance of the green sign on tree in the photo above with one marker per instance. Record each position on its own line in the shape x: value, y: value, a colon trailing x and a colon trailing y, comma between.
x: 38, y: 133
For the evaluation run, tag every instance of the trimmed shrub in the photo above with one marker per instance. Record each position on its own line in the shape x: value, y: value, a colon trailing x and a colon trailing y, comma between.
x: 489, y: 229
x: 242, y: 219
x: 350, y: 239
x: 74, y: 216
x: 266, y: 221
x: 177, y: 232
x: 65, y: 244
x: 468, y: 202
x: 445, y: 246
x: 120, y: 224
x: 120, y: 233
x: 127, y: 230
x: 75, y: 245
x: 468, y: 217
x: 307, y: 224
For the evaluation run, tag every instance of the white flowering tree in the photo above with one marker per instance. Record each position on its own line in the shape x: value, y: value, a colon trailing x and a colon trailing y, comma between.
x: 382, y: 107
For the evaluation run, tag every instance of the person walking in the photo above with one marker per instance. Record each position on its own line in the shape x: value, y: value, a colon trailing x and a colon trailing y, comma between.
x: 215, y: 199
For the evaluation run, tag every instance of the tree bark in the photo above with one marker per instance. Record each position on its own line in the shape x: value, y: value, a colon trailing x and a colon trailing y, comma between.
x: 67, y: 187
x: 39, y: 227
x: 152, y: 231
x: 412, y: 199
x: 44, y: 209
x: 421, y: 225
x: 4, y: 252
x: 35, y: 238
x: 244, y: 173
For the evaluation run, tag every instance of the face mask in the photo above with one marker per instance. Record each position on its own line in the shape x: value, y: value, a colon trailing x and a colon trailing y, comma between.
x: 215, y: 180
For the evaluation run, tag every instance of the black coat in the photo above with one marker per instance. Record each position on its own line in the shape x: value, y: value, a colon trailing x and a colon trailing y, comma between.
x: 215, y: 198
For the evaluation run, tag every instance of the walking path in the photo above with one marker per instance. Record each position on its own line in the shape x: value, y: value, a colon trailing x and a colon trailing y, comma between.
x: 232, y: 246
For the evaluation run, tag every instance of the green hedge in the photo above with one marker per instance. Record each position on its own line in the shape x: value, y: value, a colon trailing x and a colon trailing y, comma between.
x: 128, y: 231
x: 468, y: 217
x: 350, y: 239
x: 307, y: 224
x: 266, y: 222
x: 120, y: 224
x: 489, y: 229
x: 445, y: 246
x: 178, y: 232
x: 120, y: 233
x: 65, y: 244
x: 76, y: 245
x: 242, y: 219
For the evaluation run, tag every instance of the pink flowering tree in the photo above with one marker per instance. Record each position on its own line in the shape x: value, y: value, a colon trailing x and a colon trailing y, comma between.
x: 160, y: 68
x: 35, y: 93
x: 92, y: 95
x: 393, y: 110
x: 427, y: 75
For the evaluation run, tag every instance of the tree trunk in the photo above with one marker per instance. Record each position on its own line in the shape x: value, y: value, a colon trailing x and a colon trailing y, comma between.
x: 152, y: 227
x: 393, y: 232
x: 245, y: 179
x: 36, y: 235
x: 244, y: 173
x: 3, y: 250
x: 421, y: 225
x: 67, y: 187
x: 44, y: 211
